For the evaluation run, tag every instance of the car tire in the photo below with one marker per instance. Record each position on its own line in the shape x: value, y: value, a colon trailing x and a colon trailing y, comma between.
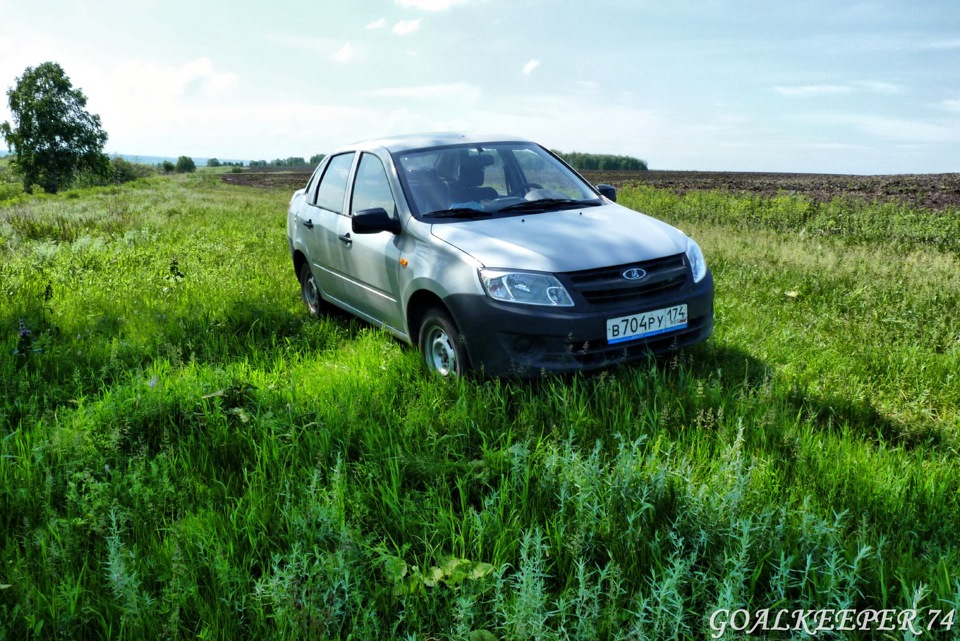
x: 309, y: 290
x: 442, y: 346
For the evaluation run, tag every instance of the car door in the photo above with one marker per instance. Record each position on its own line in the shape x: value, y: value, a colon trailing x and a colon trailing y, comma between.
x: 371, y: 262
x: 320, y: 223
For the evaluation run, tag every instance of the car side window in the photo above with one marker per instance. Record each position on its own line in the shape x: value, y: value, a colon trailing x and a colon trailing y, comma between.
x: 333, y: 185
x: 312, y: 183
x: 371, y: 188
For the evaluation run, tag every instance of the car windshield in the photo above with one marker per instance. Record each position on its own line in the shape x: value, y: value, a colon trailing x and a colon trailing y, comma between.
x: 466, y: 182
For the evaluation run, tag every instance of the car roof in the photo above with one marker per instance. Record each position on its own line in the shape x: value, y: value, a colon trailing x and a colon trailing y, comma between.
x: 407, y: 142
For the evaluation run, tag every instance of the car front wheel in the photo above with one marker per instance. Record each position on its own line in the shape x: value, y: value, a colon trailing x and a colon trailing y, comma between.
x: 309, y: 290
x: 442, y: 345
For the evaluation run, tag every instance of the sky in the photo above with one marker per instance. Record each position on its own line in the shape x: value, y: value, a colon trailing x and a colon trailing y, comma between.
x: 823, y: 86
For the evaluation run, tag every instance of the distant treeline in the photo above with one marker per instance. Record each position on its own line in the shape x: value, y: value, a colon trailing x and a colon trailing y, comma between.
x: 601, y: 162
x: 575, y: 159
x: 292, y: 161
x: 213, y: 162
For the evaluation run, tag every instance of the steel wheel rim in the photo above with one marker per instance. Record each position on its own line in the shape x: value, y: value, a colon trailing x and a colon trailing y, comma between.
x: 441, y: 353
x: 310, y: 294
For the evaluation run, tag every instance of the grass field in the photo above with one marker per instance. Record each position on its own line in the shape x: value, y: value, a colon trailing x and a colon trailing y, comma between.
x: 185, y: 453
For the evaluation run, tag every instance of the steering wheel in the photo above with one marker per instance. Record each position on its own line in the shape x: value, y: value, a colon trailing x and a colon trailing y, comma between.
x: 524, y: 188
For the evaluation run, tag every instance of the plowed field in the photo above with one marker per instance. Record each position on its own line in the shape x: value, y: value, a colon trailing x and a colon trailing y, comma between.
x: 933, y: 191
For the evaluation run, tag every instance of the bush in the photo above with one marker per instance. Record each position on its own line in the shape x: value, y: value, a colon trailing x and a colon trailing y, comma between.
x: 185, y: 165
x: 10, y: 185
x: 124, y: 171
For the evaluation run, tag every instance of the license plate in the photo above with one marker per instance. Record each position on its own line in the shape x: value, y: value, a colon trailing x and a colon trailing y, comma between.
x: 646, y: 324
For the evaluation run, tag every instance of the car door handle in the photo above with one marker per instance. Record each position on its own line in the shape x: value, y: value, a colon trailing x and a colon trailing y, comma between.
x: 346, y: 238
x: 308, y: 223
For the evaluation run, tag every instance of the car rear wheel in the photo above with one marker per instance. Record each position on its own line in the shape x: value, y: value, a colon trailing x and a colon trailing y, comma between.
x: 442, y: 345
x: 309, y: 290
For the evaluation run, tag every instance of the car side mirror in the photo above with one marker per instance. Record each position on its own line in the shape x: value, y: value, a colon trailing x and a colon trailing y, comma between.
x: 374, y: 221
x: 608, y: 191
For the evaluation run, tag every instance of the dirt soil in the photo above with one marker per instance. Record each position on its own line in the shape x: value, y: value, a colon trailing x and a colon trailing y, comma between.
x: 932, y: 191
x: 270, y: 178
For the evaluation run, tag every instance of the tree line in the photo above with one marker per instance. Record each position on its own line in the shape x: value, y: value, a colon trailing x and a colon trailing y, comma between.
x: 213, y: 162
x: 602, y: 162
x: 292, y: 161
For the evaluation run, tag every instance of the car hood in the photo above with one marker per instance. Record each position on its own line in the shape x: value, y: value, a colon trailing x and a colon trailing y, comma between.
x: 566, y: 240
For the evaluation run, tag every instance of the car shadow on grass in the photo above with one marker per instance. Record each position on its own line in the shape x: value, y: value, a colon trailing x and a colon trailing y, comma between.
x: 745, y: 375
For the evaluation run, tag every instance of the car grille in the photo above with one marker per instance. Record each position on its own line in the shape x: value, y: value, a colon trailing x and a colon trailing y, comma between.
x: 606, y: 286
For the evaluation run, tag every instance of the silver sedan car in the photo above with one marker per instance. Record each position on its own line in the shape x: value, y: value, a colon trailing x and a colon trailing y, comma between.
x: 493, y: 255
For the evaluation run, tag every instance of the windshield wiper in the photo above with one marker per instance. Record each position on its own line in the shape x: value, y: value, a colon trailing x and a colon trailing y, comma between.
x: 546, y: 204
x: 457, y: 212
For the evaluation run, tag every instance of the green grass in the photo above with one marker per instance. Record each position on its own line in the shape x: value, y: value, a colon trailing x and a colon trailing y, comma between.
x: 185, y: 453
x: 11, y: 187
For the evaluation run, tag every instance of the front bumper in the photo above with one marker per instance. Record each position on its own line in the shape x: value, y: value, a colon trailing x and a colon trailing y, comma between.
x: 504, y: 339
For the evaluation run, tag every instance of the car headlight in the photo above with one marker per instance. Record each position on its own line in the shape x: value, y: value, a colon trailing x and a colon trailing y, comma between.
x: 525, y: 287
x: 698, y: 264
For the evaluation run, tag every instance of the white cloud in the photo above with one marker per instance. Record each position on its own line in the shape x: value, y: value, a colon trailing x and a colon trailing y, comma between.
x: 428, y: 5
x: 346, y: 53
x: 899, y: 130
x: 234, y: 129
x: 530, y: 66
x: 406, y: 27
x: 145, y: 104
x: 560, y: 121
x: 870, y: 86
x: 318, y: 46
x: 885, y: 88
x: 379, y: 24
x: 459, y: 91
x: 945, y: 44
x: 146, y: 79
x: 951, y: 105
x: 812, y: 90
x: 827, y: 146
